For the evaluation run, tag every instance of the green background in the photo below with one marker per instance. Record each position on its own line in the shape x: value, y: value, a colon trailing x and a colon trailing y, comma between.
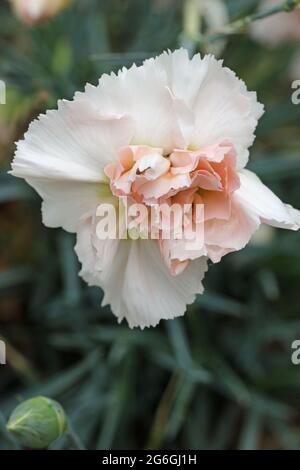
x: 221, y: 376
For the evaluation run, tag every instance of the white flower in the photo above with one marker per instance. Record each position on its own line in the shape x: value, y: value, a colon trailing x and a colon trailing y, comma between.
x: 205, y: 16
x: 275, y: 29
x: 32, y: 12
x: 176, y: 130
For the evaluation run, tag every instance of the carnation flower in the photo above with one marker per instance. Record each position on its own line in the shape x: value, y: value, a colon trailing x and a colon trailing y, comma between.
x: 33, y: 12
x: 176, y: 133
x: 275, y: 29
x: 200, y: 16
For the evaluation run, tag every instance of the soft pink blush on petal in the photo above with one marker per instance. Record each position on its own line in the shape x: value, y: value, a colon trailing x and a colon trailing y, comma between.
x: 188, y: 178
x: 225, y: 236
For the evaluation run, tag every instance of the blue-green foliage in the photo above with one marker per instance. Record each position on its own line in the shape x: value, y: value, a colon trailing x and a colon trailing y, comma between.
x: 220, y: 377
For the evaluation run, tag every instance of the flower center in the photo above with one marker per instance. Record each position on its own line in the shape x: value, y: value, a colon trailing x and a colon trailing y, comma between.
x: 148, y: 176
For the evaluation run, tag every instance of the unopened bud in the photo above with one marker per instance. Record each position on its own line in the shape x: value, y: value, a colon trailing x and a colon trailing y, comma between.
x: 37, y: 423
x: 33, y: 12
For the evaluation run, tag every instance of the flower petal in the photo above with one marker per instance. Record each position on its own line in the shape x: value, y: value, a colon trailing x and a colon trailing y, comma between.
x: 95, y: 255
x: 225, y: 111
x: 223, y: 108
x: 71, y: 143
x: 226, y: 236
x: 261, y: 201
x: 161, y: 119
x: 65, y: 203
x: 136, y: 281
x: 184, y: 75
x: 146, y: 291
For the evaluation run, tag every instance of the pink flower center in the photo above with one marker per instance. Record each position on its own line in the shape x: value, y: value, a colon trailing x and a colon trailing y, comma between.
x: 148, y: 176
x: 206, y: 177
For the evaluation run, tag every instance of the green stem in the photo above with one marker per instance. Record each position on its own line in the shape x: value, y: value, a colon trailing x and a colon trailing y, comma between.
x: 74, y: 439
x: 239, y: 26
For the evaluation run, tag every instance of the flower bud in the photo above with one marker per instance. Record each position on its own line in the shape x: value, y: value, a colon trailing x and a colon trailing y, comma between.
x: 211, y: 13
x: 32, y: 12
x: 37, y: 423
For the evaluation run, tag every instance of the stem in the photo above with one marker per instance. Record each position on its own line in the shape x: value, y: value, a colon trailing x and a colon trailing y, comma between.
x: 163, y: 411
x: 74, y: 439
x: 239, y: 25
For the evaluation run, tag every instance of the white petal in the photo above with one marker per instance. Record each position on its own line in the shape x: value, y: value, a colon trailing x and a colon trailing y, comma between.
x: 71, y: 143
x: 140, y: 288
x: 63, y: 155
x: 135, y: 279
x: 153, y: 165
x: 225, y: 111
x: 94, y: 255
x: 184, y: 76
x: 86, y: 253
x: 65, y: 203
x: 260, y: 200
x: 161, y: 119
x: 176, y: 101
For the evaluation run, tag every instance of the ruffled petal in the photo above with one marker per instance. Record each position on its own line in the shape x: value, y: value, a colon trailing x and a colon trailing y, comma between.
x: 223, y: 107
x: 140, y: 288
x: 262, y: 202
x: 73, y: 143
x: 184, y: 75
x: 65, y: 203
x: 136, y: 282
x: 95, y: 255
x: 161, y: 119
x: 225, y: 236
x: 225, y: 111
x: 63, y: 156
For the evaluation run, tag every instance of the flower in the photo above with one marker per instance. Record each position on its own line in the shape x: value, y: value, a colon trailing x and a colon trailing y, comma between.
x: 173, y: 132
x: 275, y: 29
x: 38, y: 422
x: 200, y: 16
x: 32, y: 12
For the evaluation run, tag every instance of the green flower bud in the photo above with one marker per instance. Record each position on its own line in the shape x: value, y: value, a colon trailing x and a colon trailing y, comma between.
x: 37, y: 423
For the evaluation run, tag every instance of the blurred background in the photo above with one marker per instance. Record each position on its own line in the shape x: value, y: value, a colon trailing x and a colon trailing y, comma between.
x: 221, y: 377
